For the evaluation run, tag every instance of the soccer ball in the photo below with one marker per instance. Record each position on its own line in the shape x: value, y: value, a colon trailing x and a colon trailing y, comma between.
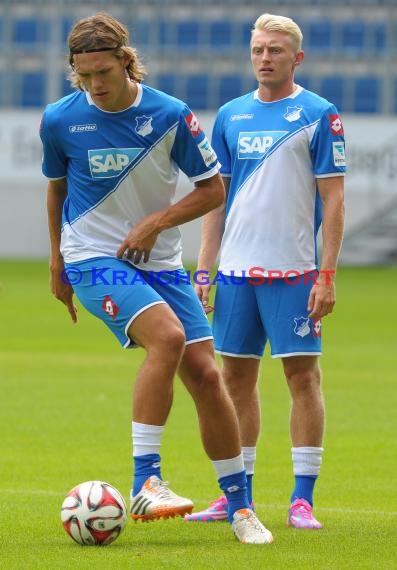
x: 94, y: 513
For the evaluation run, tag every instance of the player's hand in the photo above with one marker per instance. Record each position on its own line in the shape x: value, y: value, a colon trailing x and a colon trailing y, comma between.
x: 203, y: 293
x: 61, y: 289
x: 139, y: 241
x: 322, y: 297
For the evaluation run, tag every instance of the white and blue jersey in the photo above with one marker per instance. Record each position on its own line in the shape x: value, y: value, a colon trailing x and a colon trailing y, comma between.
x: 120, y: 167
x: 273, y: 153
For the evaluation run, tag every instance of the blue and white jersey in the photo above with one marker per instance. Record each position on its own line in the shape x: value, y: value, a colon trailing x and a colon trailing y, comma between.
x: 120, y: 167
x: 273, y: 153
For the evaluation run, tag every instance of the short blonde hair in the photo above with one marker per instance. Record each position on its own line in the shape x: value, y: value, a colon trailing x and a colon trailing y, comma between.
x: 102, y: 32
x: 274, y: 23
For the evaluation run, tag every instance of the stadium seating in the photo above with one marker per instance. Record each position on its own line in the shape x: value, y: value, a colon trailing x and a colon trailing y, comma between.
x: 188, y: 35
x: 197, y: 91
x: 32, y: 88
x: 367, y: 95
x: 202, y: 56
x: 167, y: 82
x: 353, y: 38
x: 319, y: 36
x: 333, y: 88
x: 221, y: 35
x: 230, y: 87
x: 30, y: 32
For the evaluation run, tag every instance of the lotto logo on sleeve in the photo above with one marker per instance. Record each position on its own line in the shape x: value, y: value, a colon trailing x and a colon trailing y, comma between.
x: 336, y: 125
x: 193, y: 124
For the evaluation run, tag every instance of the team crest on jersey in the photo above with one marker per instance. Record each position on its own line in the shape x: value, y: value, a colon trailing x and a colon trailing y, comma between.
x: 335, y: 123
x: 193, y: 124
x: 338, y: 149
x: 302, y: 327
x: 293, y: 114
x: 144, y: 125
x: 110, y: 307
x: 111, y: 162
x: 256, y: 144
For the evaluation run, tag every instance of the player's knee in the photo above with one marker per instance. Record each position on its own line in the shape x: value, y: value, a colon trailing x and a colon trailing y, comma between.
x: 209, y: 381
x: 304, y: 381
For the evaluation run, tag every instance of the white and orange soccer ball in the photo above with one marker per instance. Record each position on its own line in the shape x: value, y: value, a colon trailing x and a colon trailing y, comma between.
x: 94, y: 513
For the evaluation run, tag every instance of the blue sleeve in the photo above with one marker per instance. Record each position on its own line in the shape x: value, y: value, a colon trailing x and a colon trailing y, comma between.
x: 54, y: 163
x: 192, y: 151
x: 220, y: 145
x: 327, y: 147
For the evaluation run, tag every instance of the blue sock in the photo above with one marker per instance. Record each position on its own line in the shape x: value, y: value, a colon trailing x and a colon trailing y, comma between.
x: 235, y: 489
x: 249, y: 488
x: 144, y: 467
x: 304, y: 485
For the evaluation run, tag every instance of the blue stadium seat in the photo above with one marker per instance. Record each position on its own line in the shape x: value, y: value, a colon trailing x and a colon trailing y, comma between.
x: 395, y: 95
x: 32, y: 89
x: 367, y: 93
x: 66, y: 87
x: 303, y: 80
x: 319, y: 34
x: 167, y: 82
x: 188, y: 35
x: 140, y: 32
x: 197, y: 91
x: 353, y: 38
x: 221, y: 35
x: 66, y: 27
x: 30, y: 31
x: 378, y: 37
x: 333, y: 88
x: 230, y: 87
x: 245, y: 33
x: 166, y: 35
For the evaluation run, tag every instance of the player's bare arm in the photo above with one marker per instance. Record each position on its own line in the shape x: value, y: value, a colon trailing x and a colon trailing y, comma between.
x: 207, y: 195
x: 323, y: 295
x: 211, y: 237
x: 56, y: 194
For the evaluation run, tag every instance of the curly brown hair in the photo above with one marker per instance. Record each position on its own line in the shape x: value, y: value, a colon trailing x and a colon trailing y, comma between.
x: 102, y: 32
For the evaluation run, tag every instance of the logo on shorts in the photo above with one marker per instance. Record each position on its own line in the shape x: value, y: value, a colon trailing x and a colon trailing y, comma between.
x: 110, y: 307
x: 302, y: 327
x: 317, y: 328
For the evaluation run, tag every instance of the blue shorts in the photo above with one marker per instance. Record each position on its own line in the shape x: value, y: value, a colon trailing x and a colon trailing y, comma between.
x: 247, y: 315
x: 116, y: 292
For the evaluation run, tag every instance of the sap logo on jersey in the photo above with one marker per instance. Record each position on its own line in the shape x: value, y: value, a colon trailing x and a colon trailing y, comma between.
x: 111, y: 162
x: 256, y: 144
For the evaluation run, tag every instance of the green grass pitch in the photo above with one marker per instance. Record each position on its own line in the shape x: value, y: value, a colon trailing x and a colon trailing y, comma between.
x: 65, y: 393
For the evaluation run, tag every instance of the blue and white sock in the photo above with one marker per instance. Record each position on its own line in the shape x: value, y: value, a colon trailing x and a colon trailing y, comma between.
x: 233, y: 482
x: 249, y: 457
x: 306, y: 462
x: 146, y: 453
